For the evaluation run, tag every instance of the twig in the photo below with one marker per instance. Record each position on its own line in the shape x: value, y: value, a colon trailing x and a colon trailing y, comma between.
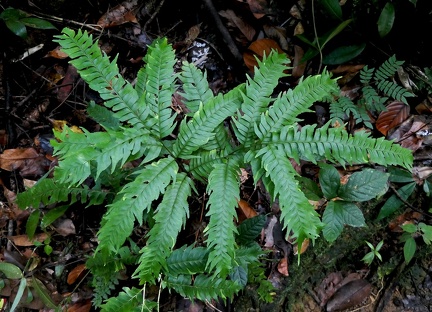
x: 152, y: 17
x: 224, y: 31
x: 403, y: 200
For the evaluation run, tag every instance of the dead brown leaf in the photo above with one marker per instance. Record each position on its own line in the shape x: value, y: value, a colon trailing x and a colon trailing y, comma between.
x: 283, y: 266
x: 77, y: 273
x: 245, y: 211
x: 349, y: 295
x: 257, y: 49
x: 27, y: 161
x: 396, y: 113
x: 24, y: 241
x: 259, y: 8
x: 235, y: 21
x: 120, y: 14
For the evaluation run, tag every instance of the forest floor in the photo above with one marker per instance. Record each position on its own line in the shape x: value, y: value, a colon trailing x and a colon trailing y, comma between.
x: 39, y: 92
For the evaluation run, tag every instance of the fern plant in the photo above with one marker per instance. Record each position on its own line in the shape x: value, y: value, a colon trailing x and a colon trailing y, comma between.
x: 175, y: 156
x: 374, y: 83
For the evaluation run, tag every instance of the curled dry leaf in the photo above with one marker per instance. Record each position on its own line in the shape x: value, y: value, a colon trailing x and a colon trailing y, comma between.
x: 412, y: 133
x: 396, y: 113
x: 235, y: 21
x: 259, y: 8
x: 80, y: 306
x: 349, y: 295
x: 25, y: 160
x: 283, y: 266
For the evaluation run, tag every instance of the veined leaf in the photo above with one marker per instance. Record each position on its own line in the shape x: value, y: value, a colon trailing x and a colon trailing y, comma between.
x: 337, y: 214
x: 364, y: 185
x: 329, y: 179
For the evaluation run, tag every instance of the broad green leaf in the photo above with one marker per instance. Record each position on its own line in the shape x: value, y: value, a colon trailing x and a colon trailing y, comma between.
x: 409, y: 228
x: 249, y: 229
x: 19, y: 294
x: 393, y: 203
x: 10, y: 270
x: 32, y: 223
x: 53, y: 215
x: 329, y: 180
x: 409, y: 249
x: 17, y: 28
x: 364, y: 185
x: 310, y: 188
x: 37, y: 23
x: 399, y: 175
x: 386, y: 19
x: 337, y: 214
x: 187, y: 260
x: 343, y: 54
x: 239, y: 275
x: 333, y: 8
x: 427, y: 232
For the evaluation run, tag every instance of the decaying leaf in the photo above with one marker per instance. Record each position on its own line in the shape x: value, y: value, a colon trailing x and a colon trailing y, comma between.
x: 27, y: 161
x: 120, y: 14
x: 77, y: 273
x: 396, y: 113
x: 412, y: 133
x: 257, y: 49
x: 245, y: 211
x: 259, y: 8
x: 23, y: 240
x: 283, y: 266
x: 349, y: 295
x: 235, y: 21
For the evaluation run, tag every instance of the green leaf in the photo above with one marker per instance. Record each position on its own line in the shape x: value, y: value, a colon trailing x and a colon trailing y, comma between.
x: 249, y: 229
x: 10, y: 270
x: 325, y: 39
x: 333, y: 8
x: 368, y: 258
x: 17, y: 28
x: 37, y: 23
x: 393, y: 203
x: 386, y: 19
x: 32, y: 223
x: 409, y: 249
x: 364, y: 185
x: 19, y: 294
x: 53, y: 215
x: 409, y: 228
x: 310, y: 188
x: 337, y: 214
x: 427, y: 232
x: 399, y: 175
x: 329, y: 179
x: 187, y: 260
x: 43, y: 293
x: 239, y: 275
x: 343, y: 54
x: 223, y: 187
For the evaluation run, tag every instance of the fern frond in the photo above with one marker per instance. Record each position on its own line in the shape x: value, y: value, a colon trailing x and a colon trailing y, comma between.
x: 49, y: 191
x: 79, y: 152
x: 372, y: 100
x: 336, y: 145
x: 343, y: 107
x: 103, y: 116
x: 220, y: 141
x: 170, y: 217
x: 187, y: 260
x: 200, y: 129
x: 393, y: 90
x: 387, y: 69
x: 366, y: 75
x: 159, y: 88
x: 135, y: 198
x: 203, y: 164
x: 202, y: 287
x: 297, y: 214
x: 195, y: 86
x: 103, y: 76
x: 290, y: 104
x: 257, y: 96
x: 129, y: 300
x: 223, y: 189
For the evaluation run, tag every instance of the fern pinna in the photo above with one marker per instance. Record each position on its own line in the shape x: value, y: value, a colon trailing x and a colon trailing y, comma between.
x: 140, y: 125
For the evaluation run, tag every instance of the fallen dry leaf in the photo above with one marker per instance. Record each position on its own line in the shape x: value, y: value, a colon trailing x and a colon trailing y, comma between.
x: 396, y: 113
x: 80, y: 306
x: 349, y: 295
x: 245, y: 211
x: 77, y: 273
x: 23, y: 240
x: 235, y: 21
x: 259, y: 8
x: 120, y: 14
x: 27, y: 161
x: 257, y: 49
x: 64, y: 227
x: 283, y: 266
